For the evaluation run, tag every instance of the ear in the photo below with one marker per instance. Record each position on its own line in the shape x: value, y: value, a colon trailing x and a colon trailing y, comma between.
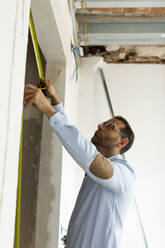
x: 123, y: 142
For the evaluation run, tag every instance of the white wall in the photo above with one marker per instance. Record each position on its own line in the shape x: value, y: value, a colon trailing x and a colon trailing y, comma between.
x: 137, y: 93
x: 14, y: 21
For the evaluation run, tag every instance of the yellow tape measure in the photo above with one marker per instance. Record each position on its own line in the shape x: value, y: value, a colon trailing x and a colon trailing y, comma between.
x: 37, y: 55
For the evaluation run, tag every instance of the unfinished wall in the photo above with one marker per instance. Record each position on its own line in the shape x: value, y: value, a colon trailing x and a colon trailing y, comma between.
x: 32, y: 129
x: 49, y: 188
x: 13, y: 45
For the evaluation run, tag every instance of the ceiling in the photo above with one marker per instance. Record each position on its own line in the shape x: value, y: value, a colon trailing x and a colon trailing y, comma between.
x: 119, y: 3
x: 106, y: 26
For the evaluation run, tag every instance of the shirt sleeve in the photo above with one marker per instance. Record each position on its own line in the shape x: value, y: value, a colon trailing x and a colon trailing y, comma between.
x: 79, y: 147
x: 59, y: 108
x: 122, y: 181
x: 84, y: 152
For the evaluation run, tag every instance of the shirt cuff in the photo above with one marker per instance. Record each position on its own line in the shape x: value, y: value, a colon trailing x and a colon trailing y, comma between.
x: 59, y: 108
x: 56, y: 120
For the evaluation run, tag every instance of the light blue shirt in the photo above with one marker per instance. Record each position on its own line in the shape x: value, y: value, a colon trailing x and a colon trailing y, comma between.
x: 101, y: 206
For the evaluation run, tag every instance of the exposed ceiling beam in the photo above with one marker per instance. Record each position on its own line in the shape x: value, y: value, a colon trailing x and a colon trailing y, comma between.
x: 123, y: 33
x: 121, y: 39
x: 104, y: 18
x: 124, y: 28
x: 119, y: 3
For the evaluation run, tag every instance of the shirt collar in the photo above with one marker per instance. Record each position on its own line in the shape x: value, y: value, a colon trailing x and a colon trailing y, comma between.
x: 117, y: 156
x: 120, y: 157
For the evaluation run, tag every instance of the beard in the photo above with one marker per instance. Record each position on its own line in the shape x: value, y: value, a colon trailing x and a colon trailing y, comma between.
x: 99, y: 139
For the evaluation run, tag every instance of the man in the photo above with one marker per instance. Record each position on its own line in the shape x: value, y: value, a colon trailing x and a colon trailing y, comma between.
x: 107, y: 188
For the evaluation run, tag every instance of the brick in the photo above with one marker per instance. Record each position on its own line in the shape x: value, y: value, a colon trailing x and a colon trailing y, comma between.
x: 157, y: 11
x: 129, y: 11
x: 114, y: 11
x: 143, y: 11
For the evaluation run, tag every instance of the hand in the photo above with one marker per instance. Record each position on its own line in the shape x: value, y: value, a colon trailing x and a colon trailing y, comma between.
x: 34, y: 96
x: 55, y: 99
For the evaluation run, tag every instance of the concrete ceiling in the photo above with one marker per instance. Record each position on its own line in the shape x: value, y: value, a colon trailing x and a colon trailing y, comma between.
x: 121, y: 26
x: 121, y: 23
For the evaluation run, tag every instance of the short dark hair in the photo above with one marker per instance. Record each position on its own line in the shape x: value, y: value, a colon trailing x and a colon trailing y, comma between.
x: 126, y: 133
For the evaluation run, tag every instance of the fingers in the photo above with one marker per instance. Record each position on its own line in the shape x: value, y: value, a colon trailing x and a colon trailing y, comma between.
x: 30, y: 101
x: 29, y: 95
x: 28, y: 98
x: 32, y: 93
x: 30, y: 86
x: 28, y: 91
x: 47, y: 81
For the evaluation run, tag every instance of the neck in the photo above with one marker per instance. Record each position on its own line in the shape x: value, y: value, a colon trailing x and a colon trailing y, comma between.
x: 106, y: 151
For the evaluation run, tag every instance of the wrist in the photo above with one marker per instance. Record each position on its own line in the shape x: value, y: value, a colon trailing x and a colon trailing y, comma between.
x: 50, y: 112
x: 55, y: 101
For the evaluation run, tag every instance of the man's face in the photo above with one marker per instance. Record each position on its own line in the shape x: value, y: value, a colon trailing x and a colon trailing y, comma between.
x: 108, y: 133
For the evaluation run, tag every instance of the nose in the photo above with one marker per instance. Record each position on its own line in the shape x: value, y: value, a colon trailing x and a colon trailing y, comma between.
x: 100, y: 126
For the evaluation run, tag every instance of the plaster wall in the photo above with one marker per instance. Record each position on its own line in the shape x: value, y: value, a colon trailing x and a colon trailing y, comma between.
x: 32, y: 129
x: 14, y: 21
x: 49, y: 188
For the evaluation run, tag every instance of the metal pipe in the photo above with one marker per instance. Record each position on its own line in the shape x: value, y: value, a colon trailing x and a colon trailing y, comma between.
x: 106, y: 92
x: 73, y: 22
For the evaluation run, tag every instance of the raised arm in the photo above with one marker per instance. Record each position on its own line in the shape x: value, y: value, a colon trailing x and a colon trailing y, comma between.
x: 99, y: 168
